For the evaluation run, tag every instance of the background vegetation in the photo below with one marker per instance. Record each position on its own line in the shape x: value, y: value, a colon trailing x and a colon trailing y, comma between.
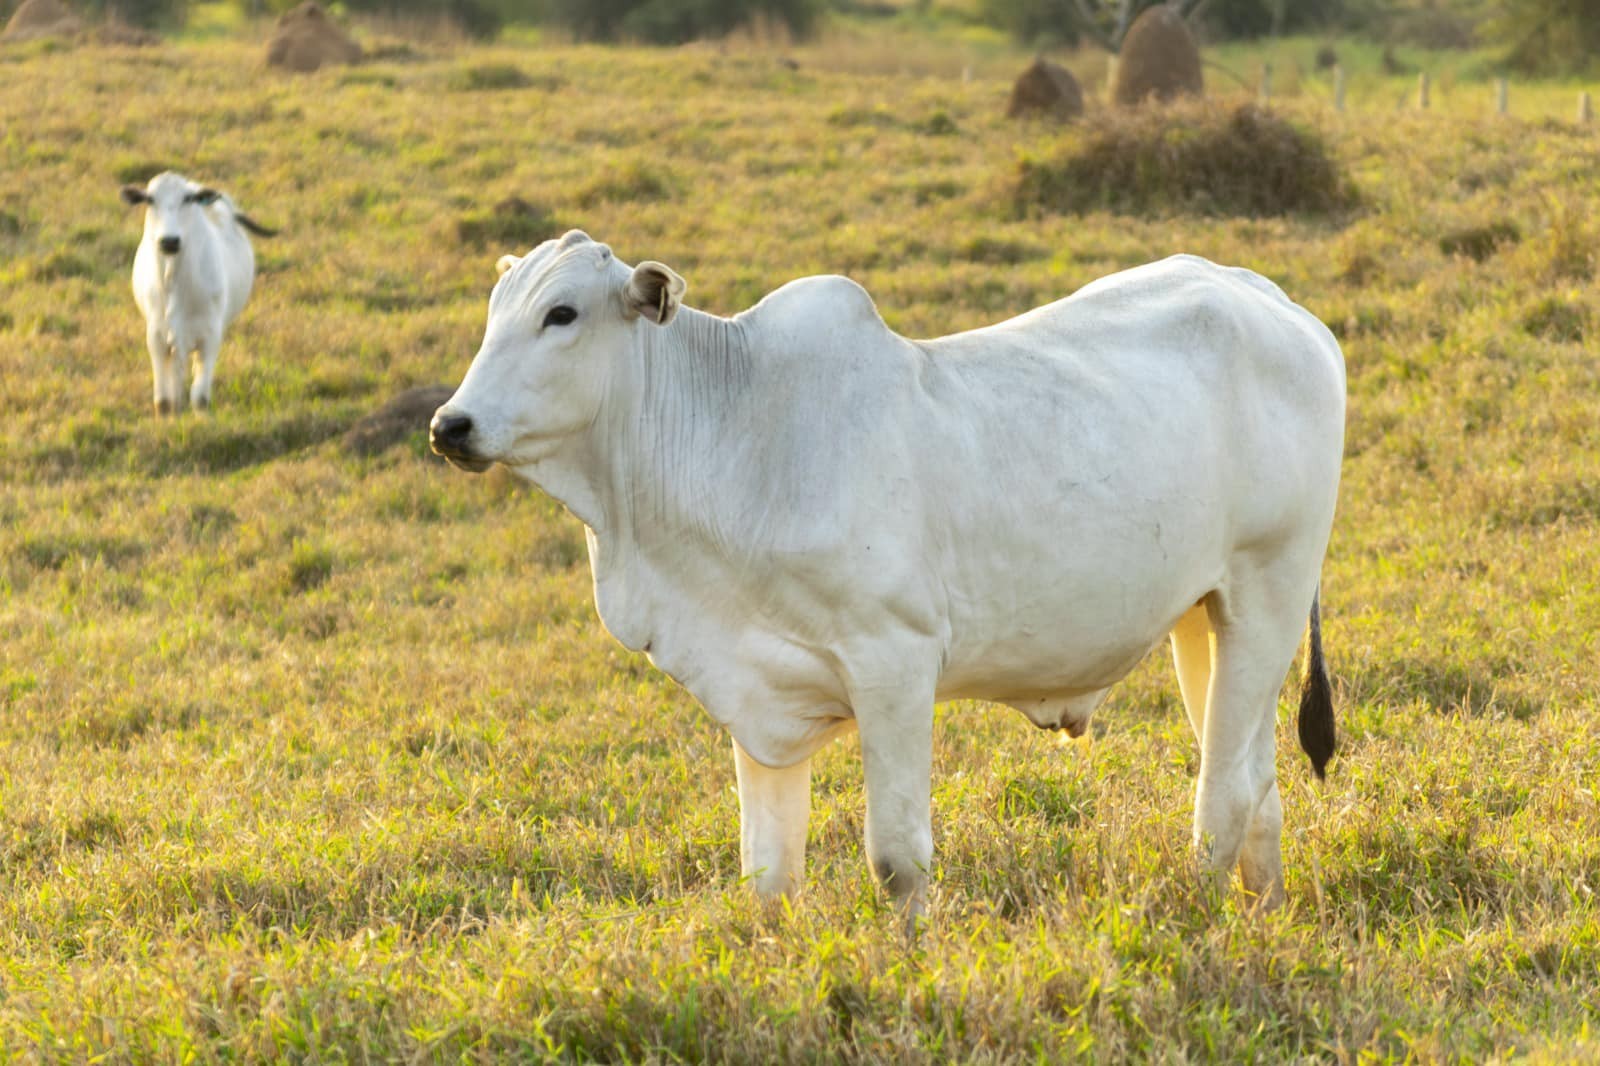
x: 307, y: 754
x: 1552, y: 37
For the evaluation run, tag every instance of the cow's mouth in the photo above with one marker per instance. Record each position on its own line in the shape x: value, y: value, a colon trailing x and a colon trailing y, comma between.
x: 467, y: 463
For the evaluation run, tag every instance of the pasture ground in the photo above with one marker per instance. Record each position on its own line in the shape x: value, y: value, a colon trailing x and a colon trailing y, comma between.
x: 310, y: 755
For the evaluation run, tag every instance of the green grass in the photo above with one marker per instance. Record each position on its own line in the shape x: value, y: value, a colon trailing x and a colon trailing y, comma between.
x: 307, y: 755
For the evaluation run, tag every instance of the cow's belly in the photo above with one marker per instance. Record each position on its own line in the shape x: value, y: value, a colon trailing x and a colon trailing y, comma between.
x: 1053, y: 629
x: 1064, y: 665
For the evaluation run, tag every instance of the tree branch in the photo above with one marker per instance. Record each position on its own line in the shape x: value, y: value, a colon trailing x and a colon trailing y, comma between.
x: 1087, y: 21
x: 1124, y: 20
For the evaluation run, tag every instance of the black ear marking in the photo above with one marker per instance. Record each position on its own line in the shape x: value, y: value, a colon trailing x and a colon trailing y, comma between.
x: 134, y: 194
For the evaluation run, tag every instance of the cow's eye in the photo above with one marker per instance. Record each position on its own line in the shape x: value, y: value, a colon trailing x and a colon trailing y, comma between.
x: 560, y: 315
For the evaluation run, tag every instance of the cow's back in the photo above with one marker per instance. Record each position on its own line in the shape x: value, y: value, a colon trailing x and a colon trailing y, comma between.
x: 235, y: 258
x: 1094, y: 466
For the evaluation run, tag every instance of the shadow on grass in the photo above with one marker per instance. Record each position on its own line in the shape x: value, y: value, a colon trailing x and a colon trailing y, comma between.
x: 1447, y: 687
x: 188, y: 444
x: 1421, y: 867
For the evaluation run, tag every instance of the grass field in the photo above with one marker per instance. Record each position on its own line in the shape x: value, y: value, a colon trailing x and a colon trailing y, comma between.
x: 312, y: 756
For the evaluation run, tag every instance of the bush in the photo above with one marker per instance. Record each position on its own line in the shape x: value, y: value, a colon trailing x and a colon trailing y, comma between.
x: 1185, y: 158
x: 1048, y: 22
x: 147, y: 13
x: 1034, y: 23
x: 677, y: 21
x: 1225, y: 19
x: 477, y: 18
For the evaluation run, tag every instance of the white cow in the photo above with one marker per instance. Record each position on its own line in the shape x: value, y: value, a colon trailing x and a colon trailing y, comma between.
x: 813, y: 523
x: 191, y: 278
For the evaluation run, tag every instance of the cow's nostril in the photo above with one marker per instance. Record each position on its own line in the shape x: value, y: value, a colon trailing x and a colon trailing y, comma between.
x: 450, y: 432
x: 170, y: 245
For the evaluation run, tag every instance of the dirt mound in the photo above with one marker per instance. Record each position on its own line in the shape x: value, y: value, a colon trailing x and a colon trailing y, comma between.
x: 1159, y: 59
x: 1047, y: 89
x: 396, y: 420
x: 41, y: 18
x: 306, y: 38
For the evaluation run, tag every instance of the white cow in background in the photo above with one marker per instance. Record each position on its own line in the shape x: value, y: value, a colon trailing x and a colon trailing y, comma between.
x: 191, y: 278
x: 815, y: 524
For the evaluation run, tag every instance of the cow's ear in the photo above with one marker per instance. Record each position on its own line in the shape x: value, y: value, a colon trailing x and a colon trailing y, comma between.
x: 655, y: 292
x: 134, y: 194
x: 505, y: 263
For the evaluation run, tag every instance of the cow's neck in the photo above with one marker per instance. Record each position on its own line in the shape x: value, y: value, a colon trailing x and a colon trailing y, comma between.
x: 643, y: 478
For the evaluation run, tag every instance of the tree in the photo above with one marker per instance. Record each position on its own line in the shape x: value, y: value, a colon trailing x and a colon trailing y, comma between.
x: 1106, y: 22
x: 1548, y: 36
x: 676, y: 21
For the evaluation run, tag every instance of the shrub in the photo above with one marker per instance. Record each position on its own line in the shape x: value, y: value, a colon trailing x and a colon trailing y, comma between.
x: 1036, y: 23
x: 477, y: 18
x: 137, y: 12
x: 1046, y: 22
x: 1192, y: 157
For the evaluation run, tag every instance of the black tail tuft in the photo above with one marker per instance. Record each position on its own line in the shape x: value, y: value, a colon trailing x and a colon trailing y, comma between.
x: 253, y: 226
x: 1316, y: 698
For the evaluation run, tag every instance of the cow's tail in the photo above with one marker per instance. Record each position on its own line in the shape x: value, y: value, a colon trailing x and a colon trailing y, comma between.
x: 1316, y: 697
x: 253, y: 226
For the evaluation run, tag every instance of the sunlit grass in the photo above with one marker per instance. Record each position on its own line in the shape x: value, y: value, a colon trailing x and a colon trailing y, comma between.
x: 310, y: 754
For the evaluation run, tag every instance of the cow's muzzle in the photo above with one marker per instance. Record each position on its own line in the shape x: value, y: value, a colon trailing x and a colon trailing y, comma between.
x: 169, y: 245
x: 449, y: 436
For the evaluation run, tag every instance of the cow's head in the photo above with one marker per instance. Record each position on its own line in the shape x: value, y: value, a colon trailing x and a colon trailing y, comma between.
x: 559, y: 319
x: 171, y: 203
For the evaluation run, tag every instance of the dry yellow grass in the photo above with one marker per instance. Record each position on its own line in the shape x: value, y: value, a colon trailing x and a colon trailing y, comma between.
x: 315, y: 756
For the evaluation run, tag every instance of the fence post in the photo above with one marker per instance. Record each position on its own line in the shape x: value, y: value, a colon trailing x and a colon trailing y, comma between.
x: 1585, y: 108
x: 1338, y: 87
x: 1422, y: 90
x: 1502, y: 94
x: 1266, y: 84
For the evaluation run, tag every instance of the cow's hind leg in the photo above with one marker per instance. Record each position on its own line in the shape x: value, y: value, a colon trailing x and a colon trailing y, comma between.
x: 205, y: 366
x: 1238, y: 817
x: 774, y: 807
x: 1192, y: 649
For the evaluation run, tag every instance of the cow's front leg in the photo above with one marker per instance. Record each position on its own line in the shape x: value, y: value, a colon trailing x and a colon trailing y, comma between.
x: 897, y: 754
x: 162, y: 361
x: 774, y: 809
